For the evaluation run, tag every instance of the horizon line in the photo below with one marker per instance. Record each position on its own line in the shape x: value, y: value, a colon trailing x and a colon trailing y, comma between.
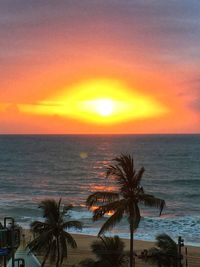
x: 100, y: 133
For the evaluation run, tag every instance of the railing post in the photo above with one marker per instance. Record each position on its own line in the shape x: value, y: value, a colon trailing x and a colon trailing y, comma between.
x: 180, y: 256
x: 186, y: 260
x: 12, y: 239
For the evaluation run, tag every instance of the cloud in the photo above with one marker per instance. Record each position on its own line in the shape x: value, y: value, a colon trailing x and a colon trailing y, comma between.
x: 12, y: 109
x: 33, y: 32
x: 196, y: 102
x: 163, y: 23
x: 46, y: 45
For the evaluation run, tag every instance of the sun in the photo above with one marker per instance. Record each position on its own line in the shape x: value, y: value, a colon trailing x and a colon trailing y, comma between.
x: 104, y: 107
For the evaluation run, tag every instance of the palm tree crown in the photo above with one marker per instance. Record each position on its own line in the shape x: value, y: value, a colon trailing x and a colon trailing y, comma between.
x: 109, y: 252
x: 124, y: 202
x: 165, y: 254
x: 50, y: 236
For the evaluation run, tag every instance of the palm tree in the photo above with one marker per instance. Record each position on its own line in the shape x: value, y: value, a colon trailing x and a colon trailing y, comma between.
x: 109, y: 252
x: 50, y: 236
x: 165, y: 254
x: 125, y: 201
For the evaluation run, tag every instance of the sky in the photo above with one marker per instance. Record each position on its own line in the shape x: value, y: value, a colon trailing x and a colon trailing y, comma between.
x: 99, y: 66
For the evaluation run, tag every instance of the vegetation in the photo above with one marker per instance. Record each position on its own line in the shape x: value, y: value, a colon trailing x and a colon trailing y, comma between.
x: 109, y: 252
x: 125, y: 201
x: 50, y: 236
x: 165, y: 254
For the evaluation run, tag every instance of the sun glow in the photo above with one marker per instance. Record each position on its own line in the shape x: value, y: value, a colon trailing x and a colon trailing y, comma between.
x: 104, y: 106
x: 99, y: 101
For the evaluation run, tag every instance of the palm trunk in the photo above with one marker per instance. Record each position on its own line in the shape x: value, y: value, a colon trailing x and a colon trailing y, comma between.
x: 58, y: 253
x: 132, y: 258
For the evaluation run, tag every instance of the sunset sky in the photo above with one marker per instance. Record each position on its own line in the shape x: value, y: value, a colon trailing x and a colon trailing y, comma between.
x: 99, y: 66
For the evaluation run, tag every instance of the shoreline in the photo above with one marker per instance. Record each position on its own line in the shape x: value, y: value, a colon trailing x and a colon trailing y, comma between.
x: 126, y: 236
x: 187, y: 244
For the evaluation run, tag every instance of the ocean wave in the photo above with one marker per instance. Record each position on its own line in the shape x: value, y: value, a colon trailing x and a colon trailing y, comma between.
x: 186, y: 226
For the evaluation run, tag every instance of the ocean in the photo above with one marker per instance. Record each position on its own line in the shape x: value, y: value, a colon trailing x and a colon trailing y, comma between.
x: 36, y: 167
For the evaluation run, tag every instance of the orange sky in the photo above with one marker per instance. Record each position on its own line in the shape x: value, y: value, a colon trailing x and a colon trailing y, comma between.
x: 52, y: 53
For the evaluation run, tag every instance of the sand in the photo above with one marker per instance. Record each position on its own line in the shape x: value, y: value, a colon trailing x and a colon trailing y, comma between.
x: 83, y: 251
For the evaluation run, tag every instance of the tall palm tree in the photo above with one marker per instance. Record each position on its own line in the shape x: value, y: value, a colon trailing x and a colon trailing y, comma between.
x: 50, y: 236
x: 165, y: 254
x: 109, y: 252
x: 125, y: 201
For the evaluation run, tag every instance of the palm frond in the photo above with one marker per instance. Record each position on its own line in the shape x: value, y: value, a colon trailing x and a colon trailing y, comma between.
x: 109, y: 251
x: 37, y: 226
x: 151, y: 201
x: 63, y: 247
x: 122, y: 179
x: 116, y: 172
x: 154, y: 256
x: 99, y: 249
x: 138, y: 176
x: 113, y: 244
x: 165, y: 242
x: 53, y: 251
x: 101, y: 197
x: 112, y: 221
x: 134, y: 215
x: 41, y: 242
x: 72, y: 224
x: 66, y: 209
x: 87, y: 263
x: 46, y: 255
x: 70, y: 240
x: 124, y: 173
x: 125, y: 161
x: 123, y: 169
x: 50, y: 209
x: 110, y: 207
x: 59, y: 203
x: 165, y: 254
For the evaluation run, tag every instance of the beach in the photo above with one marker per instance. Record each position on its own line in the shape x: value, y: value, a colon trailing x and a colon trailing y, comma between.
x: 83, y: 251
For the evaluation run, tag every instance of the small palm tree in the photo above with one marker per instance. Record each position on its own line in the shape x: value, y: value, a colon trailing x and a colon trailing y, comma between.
x: 109, y: 252
x: 165, y: 254
x: 50, y: 236
x: 125, y: 201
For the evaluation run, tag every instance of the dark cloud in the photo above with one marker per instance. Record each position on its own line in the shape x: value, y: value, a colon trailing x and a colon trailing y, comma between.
x: 196, y: 105
x: 162, y: 22
x: 192, y: 84
x: 38, y: 31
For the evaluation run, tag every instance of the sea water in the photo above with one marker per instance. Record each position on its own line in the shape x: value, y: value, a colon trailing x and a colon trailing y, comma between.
x: 38, y: 167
